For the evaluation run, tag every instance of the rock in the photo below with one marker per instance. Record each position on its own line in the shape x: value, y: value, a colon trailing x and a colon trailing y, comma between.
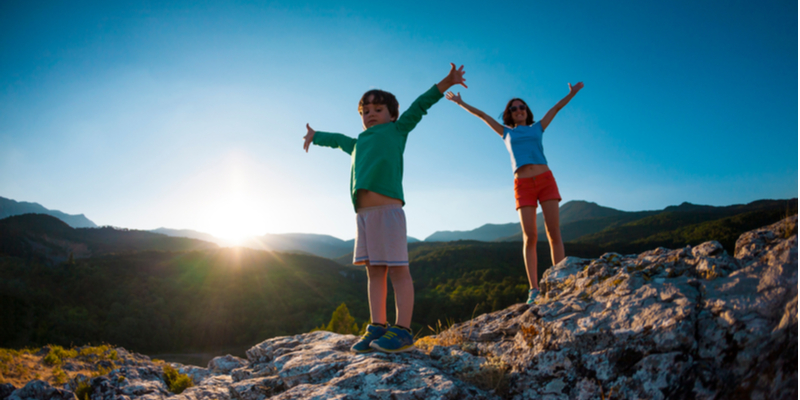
x: 40, y: 390
x: 225, y: 364
x: 5, y: 390
x: 197, y: 374
x: 691, y: 322
x: 665, y: 324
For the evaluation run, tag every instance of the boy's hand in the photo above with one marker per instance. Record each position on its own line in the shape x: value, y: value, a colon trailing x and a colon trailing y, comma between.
x: 574, y: 89
x: 455, y: 77
x: 456, y: 98
x: 309, y: 137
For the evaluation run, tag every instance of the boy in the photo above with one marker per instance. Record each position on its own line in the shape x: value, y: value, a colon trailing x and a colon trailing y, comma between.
x: 376, y: 190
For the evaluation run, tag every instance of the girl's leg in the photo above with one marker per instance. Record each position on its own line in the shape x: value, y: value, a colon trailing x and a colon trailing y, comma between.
x: 527, y: 218
x: 376, y: 287
x: 403, y: 294
x: 553, y: 228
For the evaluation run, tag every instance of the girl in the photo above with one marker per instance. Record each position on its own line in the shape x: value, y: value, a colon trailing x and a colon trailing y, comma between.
x: 532, y: 178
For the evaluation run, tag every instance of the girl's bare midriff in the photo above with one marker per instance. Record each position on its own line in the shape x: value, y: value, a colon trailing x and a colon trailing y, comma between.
x: 530, y: 170
x: 366, y: 198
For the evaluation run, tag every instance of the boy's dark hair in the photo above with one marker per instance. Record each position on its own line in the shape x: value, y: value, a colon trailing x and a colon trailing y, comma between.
x: 380, y: 97
x: 508, y: 120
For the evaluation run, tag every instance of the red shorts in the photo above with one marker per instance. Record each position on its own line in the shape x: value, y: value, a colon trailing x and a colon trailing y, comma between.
x: 541, y: 187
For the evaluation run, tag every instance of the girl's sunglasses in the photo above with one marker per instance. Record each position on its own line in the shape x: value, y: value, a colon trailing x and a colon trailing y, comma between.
x: 515, y: 108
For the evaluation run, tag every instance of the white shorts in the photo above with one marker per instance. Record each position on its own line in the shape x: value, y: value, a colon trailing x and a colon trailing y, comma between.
x: 381, y: 236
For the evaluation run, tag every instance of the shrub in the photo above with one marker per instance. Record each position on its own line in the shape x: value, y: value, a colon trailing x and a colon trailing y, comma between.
x: 83, y: 390
x: 491, y: 376
x: 176, y: 381
x: 59, y: 376
x: 57, y: 354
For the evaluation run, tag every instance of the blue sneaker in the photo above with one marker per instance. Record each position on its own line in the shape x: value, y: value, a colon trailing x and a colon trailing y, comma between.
x: 396, y: 340
x: 373, y: 332
x: 532, y: 295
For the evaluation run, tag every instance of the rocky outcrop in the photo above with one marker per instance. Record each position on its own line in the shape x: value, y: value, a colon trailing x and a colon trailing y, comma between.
x: 665, y: 324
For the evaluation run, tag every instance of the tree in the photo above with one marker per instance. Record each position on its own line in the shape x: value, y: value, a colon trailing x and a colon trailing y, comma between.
x: 341, y: 322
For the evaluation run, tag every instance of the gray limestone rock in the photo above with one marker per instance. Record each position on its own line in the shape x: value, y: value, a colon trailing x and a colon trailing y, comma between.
x: 225, y: 364
x: 40, y: 390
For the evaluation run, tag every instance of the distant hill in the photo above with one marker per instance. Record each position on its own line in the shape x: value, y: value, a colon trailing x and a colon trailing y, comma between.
x: 691, y: 224
x: 50, y: 240
x: 321, y: 245
x: 158, y: 301
x: 188, y: 233
x: 10, y: 208
x: 571, y: 212
x: 485, y: 233
x: 623, y: 231
x: 300, y: 243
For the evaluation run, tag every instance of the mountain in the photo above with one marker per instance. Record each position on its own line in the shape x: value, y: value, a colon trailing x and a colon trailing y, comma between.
x: 191, y: 234
x: 321, y: 245
x: 590, y: 217
x: 50, y: 240
x: 690, y: 224
x: 304, y: 243
x: 626, y: 231
x: 161, y: 301
x: 485, y: 233
x: 10, y: 208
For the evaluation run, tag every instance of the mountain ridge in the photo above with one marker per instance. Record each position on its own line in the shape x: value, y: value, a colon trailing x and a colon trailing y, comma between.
x: 9, y: 208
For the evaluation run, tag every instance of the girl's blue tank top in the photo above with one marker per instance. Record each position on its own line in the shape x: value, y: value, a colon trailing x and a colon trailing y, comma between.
x: 524, y: 144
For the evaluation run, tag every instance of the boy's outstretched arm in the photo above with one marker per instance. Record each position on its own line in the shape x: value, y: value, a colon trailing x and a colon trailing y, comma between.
x: 455, y: 77
x: 573, y: 90
x: 309, y: 137
x: 411, y: 117
x: 327, y: 139
x: 456, y: 98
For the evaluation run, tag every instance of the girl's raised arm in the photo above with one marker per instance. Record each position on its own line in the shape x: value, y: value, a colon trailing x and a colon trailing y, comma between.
x: 456, y: 98
x: 573, y: 90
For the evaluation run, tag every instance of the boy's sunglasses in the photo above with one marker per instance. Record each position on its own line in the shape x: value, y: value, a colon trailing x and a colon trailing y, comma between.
x: 515, y: 108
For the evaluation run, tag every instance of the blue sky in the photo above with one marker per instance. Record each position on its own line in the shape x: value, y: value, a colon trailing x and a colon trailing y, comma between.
x: 191, y: 114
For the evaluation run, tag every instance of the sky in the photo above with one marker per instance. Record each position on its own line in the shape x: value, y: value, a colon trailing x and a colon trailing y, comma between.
x: 190, y: 115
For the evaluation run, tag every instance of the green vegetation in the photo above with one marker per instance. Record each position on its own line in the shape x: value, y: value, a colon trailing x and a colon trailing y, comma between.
x: 153, y: 302
x: 176, y: 382
x: 341, y: 322
x: 83, y: 389
x: 677, y: 228
x: 57, y: 355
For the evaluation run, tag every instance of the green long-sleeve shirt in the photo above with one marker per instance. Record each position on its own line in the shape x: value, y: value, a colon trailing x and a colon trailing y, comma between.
x: 377, y: 155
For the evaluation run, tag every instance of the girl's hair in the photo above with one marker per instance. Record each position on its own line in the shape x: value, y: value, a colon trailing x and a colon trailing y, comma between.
x: 508, y: 120
x: 380, y: 97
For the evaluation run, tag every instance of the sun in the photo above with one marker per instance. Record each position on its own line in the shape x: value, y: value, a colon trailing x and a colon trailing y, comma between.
x: 233, y: 220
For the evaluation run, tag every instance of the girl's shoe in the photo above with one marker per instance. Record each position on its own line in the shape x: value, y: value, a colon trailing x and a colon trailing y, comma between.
x: 532, y: 294
x: 373, y: 332
x: 396, y: 340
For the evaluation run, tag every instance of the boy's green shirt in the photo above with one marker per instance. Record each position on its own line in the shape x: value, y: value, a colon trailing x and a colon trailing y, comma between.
x: 377, y: 154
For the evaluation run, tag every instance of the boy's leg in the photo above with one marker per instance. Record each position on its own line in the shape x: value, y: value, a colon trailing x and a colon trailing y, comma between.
x: 527, y: 218
x: 552, y: 226
x: 403, y: 294
x: 376, y: 287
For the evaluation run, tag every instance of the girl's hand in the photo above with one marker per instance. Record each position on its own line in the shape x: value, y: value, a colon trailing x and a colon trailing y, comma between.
x: 456, y: 98
x: 574, y: 89
x: 309, y: 137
